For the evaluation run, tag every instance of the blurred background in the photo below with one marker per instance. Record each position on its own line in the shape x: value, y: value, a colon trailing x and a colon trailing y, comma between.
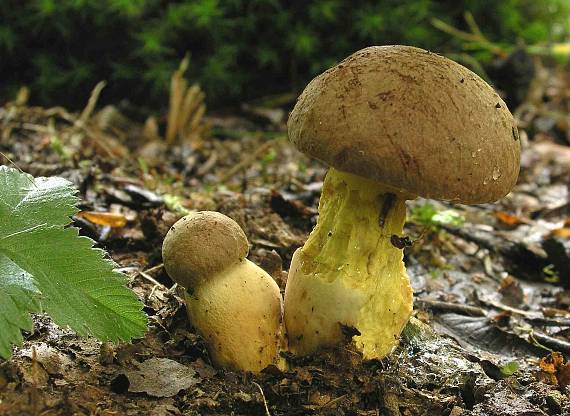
x: 240, y: 50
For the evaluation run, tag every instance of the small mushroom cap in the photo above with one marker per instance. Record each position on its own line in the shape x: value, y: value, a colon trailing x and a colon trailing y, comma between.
x: 413, y: 120
x: 200, y: 245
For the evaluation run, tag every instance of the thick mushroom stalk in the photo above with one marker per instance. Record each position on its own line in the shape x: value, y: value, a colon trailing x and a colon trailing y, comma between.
x: 408, y: 123
x: 349, y: 279
x: 233, y: 303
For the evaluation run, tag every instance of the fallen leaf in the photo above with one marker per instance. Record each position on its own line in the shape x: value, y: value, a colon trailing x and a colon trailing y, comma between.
x: 564, y: 375
x: 511, y: 291
x: 160, y: 377
x: 554, y: 370
x: 560, y: 232
x: 52, y: 360
x: 204, y: 370
x: 551, y: 363
x: 483, y: 333
x: 508, y: 219
x: 510, y: 368
x: 104, y: 218
x: 553, y: 312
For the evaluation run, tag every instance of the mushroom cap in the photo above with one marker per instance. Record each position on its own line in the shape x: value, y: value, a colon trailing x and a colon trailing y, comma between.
x: 413, y: 120
x: 200, y: 245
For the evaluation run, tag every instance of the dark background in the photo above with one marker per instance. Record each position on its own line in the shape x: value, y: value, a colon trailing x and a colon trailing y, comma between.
x: 239, y: 49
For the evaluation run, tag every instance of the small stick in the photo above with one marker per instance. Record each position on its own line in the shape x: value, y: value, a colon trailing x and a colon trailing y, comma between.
x: 333, y: 401
x: 151, y: 279
x: 453, y: 307
x: 154, y: 268
x: 91, y: 103
x: 248, y: 161
x: 551, y: 342
x: 263, y: 397
x: 208, y: 165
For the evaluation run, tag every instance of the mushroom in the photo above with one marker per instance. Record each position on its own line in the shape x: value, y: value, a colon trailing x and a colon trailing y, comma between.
x: 393, y: 123
x: 233, y: 304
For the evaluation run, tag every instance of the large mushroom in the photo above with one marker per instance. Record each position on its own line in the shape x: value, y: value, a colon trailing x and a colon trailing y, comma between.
x: 393, y: 123
x: 233, y: 303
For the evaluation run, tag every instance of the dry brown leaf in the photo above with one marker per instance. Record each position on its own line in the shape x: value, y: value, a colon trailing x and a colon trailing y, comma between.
x: 551, y: 363
x: 552, y: 312
x: 564, y: 375
x: 560, y: 232
x: 161, y: 377
x: 109, y: 219
x: 508, y: 219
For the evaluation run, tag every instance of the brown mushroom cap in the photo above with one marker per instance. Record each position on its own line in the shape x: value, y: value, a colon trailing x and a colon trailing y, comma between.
x: 200, y: 245
x: 413, y: 120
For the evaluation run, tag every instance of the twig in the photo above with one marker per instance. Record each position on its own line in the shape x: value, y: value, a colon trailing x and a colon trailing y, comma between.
x: 151, y: 279
x: 333, y: 401
x: 249, y: 160
x: 91, y: 103
x: 154, y: 268
x: 5, y: 156
x: 144, y: 274
x: 263, y: 397
x: 452, y: 307
x: 551, y: 342
x: 535, y: 317
x: 208, y: 165
x: 475, y: 37
x: 61, y: 113
x: 35, y: 127
x: 453, y: 31
x: 507, y: 308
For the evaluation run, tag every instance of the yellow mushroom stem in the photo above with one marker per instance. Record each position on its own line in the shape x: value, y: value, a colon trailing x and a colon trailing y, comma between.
x: 238, y: 312
x: 349, y: 279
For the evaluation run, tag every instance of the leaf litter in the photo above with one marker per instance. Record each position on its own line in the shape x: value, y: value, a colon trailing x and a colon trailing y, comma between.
x: 492, y: 296
x: 160, y: 377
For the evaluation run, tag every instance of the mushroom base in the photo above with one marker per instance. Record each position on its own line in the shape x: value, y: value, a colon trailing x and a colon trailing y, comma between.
x: 238, y: 313
x: 349, y: 280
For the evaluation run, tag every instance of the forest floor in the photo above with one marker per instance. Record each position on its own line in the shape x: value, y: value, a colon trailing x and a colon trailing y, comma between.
x: 491, y: 327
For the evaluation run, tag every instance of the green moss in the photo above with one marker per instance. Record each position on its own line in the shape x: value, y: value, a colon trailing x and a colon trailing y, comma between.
x: 239, y: 49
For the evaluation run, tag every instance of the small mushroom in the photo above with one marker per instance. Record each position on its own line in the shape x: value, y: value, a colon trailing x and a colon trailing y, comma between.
x: 393, y: 122
x: 233, y: 304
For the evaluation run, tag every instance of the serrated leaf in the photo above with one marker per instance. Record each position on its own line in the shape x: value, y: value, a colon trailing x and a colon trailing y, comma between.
x: 78, y: 285
x: 26, y: 202
x: 18, y: 298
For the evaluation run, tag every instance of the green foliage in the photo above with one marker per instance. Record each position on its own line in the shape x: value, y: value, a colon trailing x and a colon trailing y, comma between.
x: 509, y: 369
x: 45, y: 266
x: 239, y: 48
x: 550, y: 274
x: 429, y: 216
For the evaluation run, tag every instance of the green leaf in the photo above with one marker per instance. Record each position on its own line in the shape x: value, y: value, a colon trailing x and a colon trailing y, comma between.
x: 429, y: 216
x: 19, y: 297
x: 509, y: 369
x: 26, y: 202
x: 78, y: 285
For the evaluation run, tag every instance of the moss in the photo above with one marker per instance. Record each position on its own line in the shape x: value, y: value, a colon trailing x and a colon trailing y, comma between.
x: 136, y: 45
